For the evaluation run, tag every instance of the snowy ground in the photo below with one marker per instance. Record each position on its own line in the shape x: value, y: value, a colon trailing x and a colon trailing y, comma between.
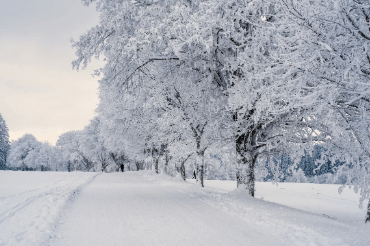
x: 142, y: 208
x: 31, y: 202
x: 322, y: 199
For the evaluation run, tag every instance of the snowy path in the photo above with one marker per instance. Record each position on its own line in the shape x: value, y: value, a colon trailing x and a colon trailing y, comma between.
x: 139, y: 208
x: 127, y: 209
x: 30, y: 204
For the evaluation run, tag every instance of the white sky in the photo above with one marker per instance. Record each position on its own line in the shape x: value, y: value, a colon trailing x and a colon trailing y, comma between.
x: 39, y: 92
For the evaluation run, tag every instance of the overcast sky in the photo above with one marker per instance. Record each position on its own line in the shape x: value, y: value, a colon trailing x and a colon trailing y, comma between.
x: 39, y: 92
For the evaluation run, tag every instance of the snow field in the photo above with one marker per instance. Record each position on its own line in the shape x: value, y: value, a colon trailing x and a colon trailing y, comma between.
x: 322, y: 199
x: 30, y: 203
x: 144, y: 208
x: 289, y: 226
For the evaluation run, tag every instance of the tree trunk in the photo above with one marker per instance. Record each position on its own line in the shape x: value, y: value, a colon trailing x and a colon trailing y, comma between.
x: 245, y: 162
x: 155, y: 158
x: 182, y: 171
x: 156, y: 161
x: 367, y: 220
x: 165, y: 169
x: 200, y: 168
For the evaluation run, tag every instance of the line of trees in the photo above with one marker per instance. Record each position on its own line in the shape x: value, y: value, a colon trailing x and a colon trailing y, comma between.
x: 28, y: 154
x: 270, y: 78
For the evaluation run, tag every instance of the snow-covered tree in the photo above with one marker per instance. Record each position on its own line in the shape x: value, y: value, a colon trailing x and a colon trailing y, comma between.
x: 259, y: 59
x: 68, y: 145
x: 293, y: 74
x: 160, y: 56
x: 43, y: 158
x: 22, y: 152
x: 4, y: 142
x: 192, y: 115
x: 126, y: 125
x: 339, y: 36
x: 92, y: 146
x: 48, y: 158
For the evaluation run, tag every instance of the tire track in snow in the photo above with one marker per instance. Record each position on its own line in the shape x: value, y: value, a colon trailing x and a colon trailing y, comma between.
x: 30, y: 219
x: 19, y: 206
x: 8, y: 199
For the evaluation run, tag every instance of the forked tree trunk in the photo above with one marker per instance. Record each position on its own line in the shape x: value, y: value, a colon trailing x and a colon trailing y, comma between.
x: 367, y: 220
x: 182, y: 169
x: 245, y: 163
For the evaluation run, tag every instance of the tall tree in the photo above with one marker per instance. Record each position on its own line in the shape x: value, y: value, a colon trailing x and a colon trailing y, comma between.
x: 264, y: 66
x: 339, y: 35
x: 4, y: 142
